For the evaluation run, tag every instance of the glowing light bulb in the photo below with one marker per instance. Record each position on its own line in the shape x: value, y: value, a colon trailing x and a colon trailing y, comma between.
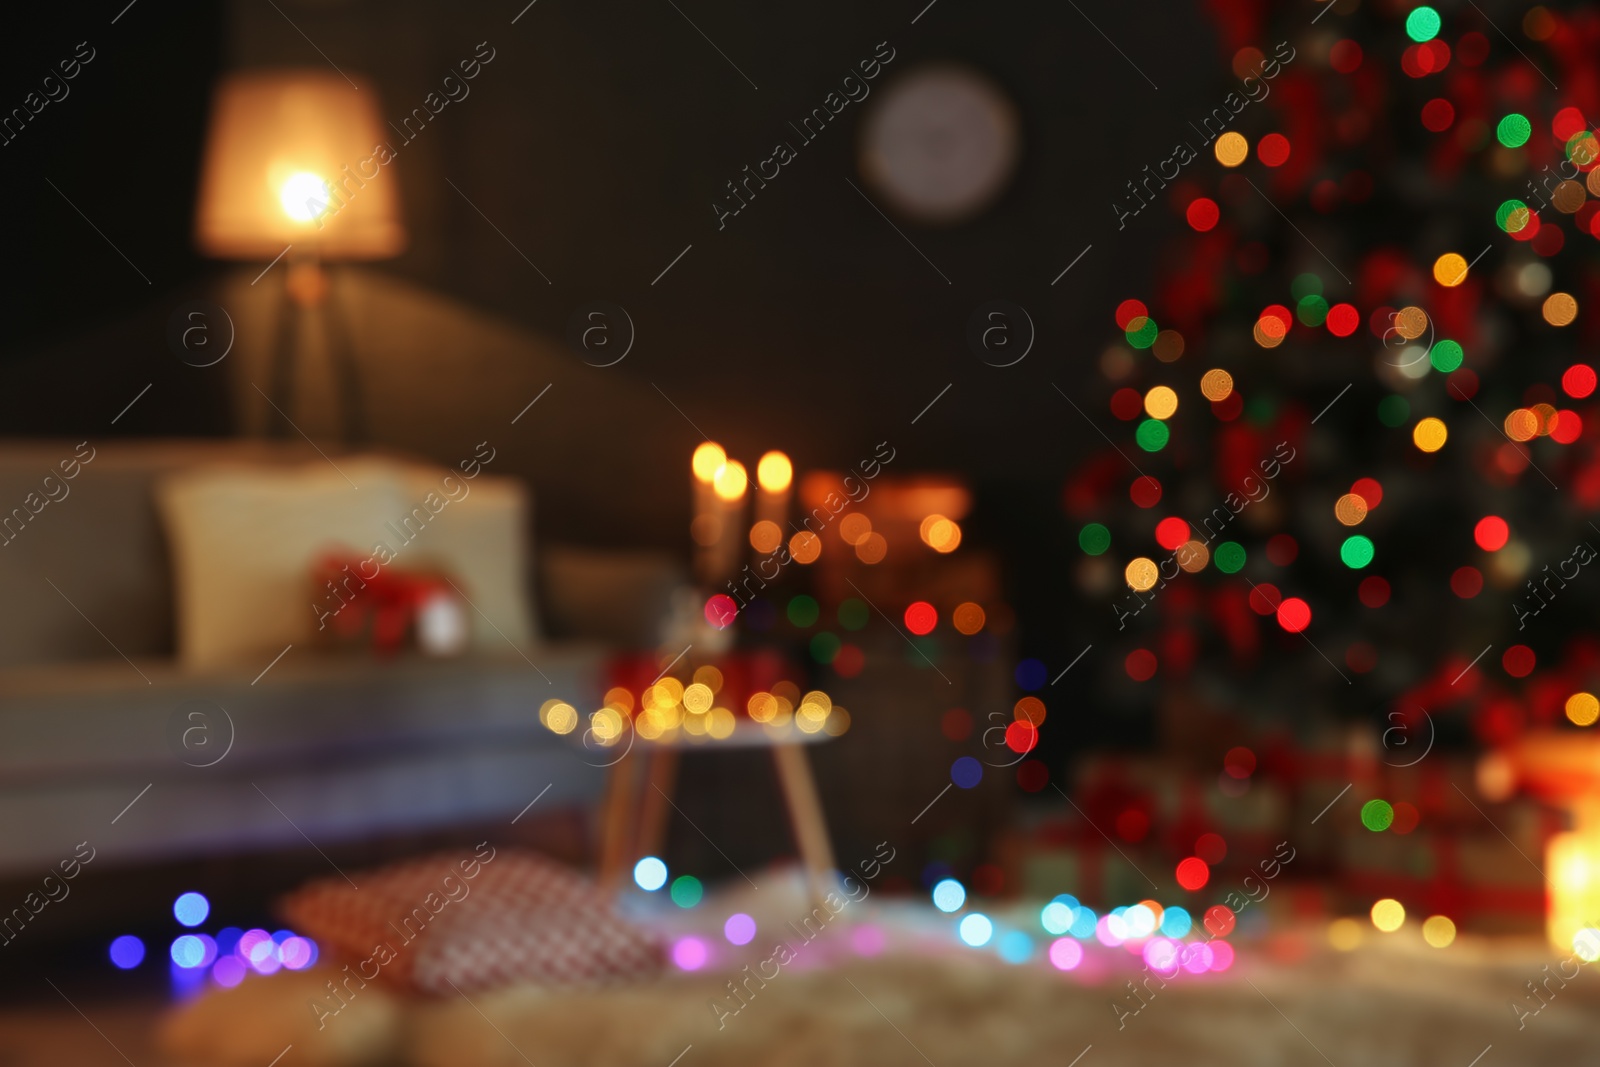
x: 304, y: 196
x: 774, y: 472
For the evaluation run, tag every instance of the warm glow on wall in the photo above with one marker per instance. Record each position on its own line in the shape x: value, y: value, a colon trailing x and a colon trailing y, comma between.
x: 774, y: 472
x: 708, y: 459
x: 731, y: 480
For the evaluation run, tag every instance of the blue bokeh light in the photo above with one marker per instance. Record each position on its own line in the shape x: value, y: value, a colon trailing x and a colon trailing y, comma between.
x: 127, y: 952
x: 949, y: 895
x: 191, y: 909
x: 1016, y: 947
x: 976, y: 929
x: 650, y: 874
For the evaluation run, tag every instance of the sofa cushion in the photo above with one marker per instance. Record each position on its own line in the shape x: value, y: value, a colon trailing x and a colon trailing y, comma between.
x: 87, y: 575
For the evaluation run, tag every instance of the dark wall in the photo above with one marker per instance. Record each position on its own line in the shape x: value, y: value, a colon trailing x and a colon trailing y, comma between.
x: 595, y: 142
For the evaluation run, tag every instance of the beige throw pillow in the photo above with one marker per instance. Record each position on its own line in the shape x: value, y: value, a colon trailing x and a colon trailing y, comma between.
x: 244, y: 539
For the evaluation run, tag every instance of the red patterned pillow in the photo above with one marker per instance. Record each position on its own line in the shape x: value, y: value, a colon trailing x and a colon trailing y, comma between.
x: 473, y: 923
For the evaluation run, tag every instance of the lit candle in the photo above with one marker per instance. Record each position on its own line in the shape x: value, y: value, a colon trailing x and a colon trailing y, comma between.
x: 774, y: 474
x: 706, y: 526
x: 730, y: 484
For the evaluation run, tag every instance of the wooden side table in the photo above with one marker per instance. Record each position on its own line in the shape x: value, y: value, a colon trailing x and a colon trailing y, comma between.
x: 640, y: 788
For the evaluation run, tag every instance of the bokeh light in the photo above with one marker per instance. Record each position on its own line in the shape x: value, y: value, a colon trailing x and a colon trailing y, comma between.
x: 690, y: 953
x: 1065, y: 954
x: 650, y: 874
x: 1582, y: 709
x: 774, y: 472
x: 949, y: 895
x: 1438, y: 931
x: 1430, y: 434
x: 976, y: 929
x: 127, y: 952
x: 191, y: 909
x: 740, y: 929
x: 1388, y: 915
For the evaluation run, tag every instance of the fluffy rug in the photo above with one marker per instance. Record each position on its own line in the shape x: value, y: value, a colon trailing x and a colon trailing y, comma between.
x: 1383, y: 1006
x: 883, y: 984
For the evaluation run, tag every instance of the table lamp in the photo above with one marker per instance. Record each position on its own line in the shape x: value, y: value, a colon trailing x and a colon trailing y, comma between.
x: 296, y: 167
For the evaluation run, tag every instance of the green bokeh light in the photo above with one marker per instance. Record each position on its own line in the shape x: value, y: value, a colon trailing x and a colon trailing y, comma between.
x: 1312, y: 310
x: 1512, y: 216
x: 1514, y: 130
x: 1152, y: 435
x: 686, y: 891
x: 803, y: 611
x: 1394, y: 410
x: 1306, y: 285
x: 1229, y: 557
x: 1356, y: 552
x: 854, y: 614
x: 1145, y: 335
x: 825, y: 646
x: 1446, y: 356
x: 1422, y: 24
x: 1377, y: 815
x: 1094, y: 539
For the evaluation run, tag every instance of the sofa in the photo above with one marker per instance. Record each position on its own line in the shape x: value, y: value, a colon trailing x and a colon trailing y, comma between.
x: 126, y: 724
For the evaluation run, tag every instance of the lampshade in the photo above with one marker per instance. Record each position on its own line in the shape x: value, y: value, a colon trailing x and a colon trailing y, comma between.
x: 292, y: 157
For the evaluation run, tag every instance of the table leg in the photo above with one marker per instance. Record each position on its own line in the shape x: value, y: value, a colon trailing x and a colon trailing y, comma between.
x: 616, y: 824
x: 805, y: 816
x: 661, y: 780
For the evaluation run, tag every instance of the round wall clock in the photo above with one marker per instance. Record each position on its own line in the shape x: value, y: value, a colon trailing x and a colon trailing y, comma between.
x: 940, y: 144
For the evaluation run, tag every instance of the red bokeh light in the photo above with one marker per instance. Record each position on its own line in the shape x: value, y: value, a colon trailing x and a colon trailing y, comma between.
x: 1567, y: 123
x: 1203, y: 213
x: 1129, y: 310
x: 1127, y: 404
x: 1518, y: 661
x: 1343, y: 319
x: 1022, y: 736
x: 1219, y: 920
x: 721, y: 610
x: 1438, y: 115
x: 1132, y: 825
x: 1193, y: 873
x: 1374, y: 591
x: 1145, y: 491
x: 1264, y: 598
x: 1273, y: 150
x: 1466, y: 582
x: 848, y: 661
x: 1294, y: 615
x: 1344, y: 56
x: 921, y: 618
x: 1033, y: 775
x: 1369, y: 490
x: 956, y: 725
x: 1578, y: 381
x: 1171, y: 532
x: 1211, y: 848
x: 1491, y: 533
x: 1140, y: 664
x: 1240, y: 762
x: 1282, y: 549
